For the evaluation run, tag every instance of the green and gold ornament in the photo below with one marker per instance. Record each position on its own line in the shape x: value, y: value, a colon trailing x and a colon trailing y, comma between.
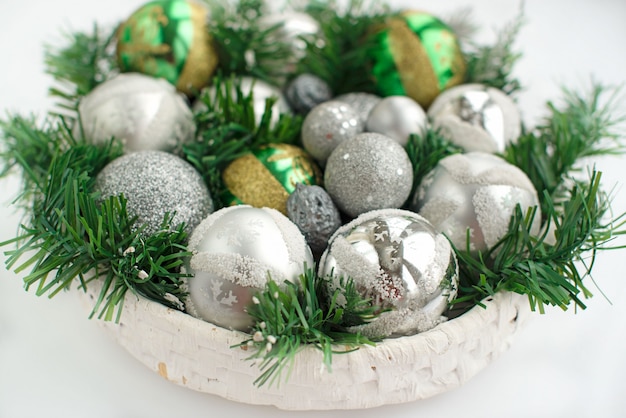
x: 416, y: 55
x: 267, y: 176
x: 169, y: 39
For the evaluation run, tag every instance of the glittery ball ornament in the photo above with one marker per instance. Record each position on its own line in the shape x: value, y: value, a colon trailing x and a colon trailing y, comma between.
x: 266, y: 176
x: 363, y: 103
x: 307, y: 91
x: 235, y: 251
x: 476, y: 117
x: 416, y: 55
x: 155, y: 183
x: 397, y: 260
x: 397, y: 117
x: 367, y: 172
x: 328, y: 125
x: 169, y: 39
x: 143, y: 112
x: 475, y: 191
x: 315, y: 214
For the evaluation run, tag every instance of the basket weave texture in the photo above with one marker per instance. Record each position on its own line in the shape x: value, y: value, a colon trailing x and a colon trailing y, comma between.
x: 198, y: 355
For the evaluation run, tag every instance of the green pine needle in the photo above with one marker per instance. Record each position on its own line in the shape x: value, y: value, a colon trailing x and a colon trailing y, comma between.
x: 295, y: 315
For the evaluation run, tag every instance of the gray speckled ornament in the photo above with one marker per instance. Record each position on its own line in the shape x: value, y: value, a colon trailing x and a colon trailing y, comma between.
x: 155, y: 183
x: 395, y: 258
x: 475, y: 191
x: 328, y: 125
x: 314, y: 212
x: 235, y: 251
x: 476, y: 117
x: 397, y: 117
x: 362, y: 103
x: 145, y: 113
x: 367, y: 172
x: 307, y: 91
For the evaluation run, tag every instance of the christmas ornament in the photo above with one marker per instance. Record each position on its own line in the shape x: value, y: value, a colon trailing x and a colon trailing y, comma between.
x: 475, y: 191
x: 315, y: 214
x: 155, y: 183
x: 416, y: 55
x: 367, y: 172
x: 235, y: 251
x: 328, y: 125
x: 397, y: 260
x: 266, y: 177
x: 143, y: 112
x: 169, y: 39
x: 307, y: 91
x: 397, y: 117
x: 363, y: 103
x: 476, y: 117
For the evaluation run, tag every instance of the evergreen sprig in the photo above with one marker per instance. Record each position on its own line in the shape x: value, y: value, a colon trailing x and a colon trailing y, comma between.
x: 294, y: 315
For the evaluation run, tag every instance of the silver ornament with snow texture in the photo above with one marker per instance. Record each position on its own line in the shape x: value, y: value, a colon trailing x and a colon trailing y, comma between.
x: 363, y: 103
x: 368, y: 172
x: 155, y: 183
x: 475, y: 191
x: 397, y: 117
x: 476, y: 117
x: 307, y: 91
x: 397, y: 260
x: 235, y: 250
x: 315, y: 214
x: 328, y: 125
x: 145, y: 113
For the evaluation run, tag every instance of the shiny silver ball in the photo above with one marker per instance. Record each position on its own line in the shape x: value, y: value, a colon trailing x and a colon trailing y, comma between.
x: 235, y: 251
x: 155, y: 183
x: 397, y: 117
x: 397, y: 260
x: 145, y: 113
x: 475, y: 191
x: 363, y: 103
x: 476, y: 117
x: 307, y: 91
x: 328, y: 125
x: 368, y: 172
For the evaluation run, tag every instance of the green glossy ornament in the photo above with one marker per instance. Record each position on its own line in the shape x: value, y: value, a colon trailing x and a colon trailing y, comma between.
x: 169, y: 39
x: 267, y: 176
x: 416, y: 55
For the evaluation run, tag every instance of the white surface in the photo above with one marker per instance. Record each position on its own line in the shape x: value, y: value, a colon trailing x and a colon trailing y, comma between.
x: 56, y: 363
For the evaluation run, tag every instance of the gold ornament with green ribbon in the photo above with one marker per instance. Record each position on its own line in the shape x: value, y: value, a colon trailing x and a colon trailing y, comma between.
x: 416, y: 55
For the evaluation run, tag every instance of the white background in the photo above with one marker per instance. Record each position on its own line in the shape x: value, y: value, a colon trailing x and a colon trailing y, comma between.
x: 56, y: 363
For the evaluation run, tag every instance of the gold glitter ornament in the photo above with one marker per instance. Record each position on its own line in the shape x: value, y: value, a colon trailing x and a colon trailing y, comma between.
x: 267, y: 176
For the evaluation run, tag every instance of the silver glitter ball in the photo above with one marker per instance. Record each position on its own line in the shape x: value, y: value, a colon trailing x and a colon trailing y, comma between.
x: 475, y: 191
x: 397, y: 117
x: 328, y: 125
x: 307, y: 91
x: 368, y: 172
x: 313, y: 211
x: 235, y: 251
x: 363, y: 103
x: 476, y: 117
x: 145, y: 113
x: 397, y: 260
x: 155, y: 183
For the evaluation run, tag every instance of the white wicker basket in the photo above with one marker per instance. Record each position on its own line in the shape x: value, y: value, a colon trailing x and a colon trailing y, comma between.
x: 197, y: 355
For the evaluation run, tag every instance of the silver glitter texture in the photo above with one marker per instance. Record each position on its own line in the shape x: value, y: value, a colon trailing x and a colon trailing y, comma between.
x: 235, y: 251
x: 397, y: 260
x: 362, y: 103
x: 476, y: 117
x: 307, y: 91
x: 313, y: 211
x: 145, y: 113
x: 397, y: 117
x: 328, y: 125
x: 155, y: 183
x: 475, y: 191
x: 368, y: 172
